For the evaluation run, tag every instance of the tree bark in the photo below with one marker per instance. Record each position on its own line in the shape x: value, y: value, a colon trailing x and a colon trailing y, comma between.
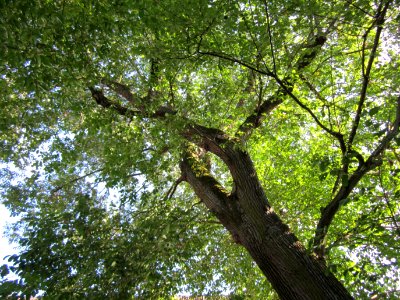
x: 247, y: 215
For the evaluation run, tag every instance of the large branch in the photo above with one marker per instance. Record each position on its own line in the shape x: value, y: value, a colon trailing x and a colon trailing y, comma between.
x: 194, y: 170
x: 103, y: 101
x: 122, y: 90
x: 255, y: 120
x: 209, y: 190
x: 210, y: 139
x: 142, y: 111
x: 374, y: 160
x: 139, y: 104
x: 238, y: 161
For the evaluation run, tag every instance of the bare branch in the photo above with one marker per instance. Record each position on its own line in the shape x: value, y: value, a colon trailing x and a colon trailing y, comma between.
x: 256, y: 118
x: 125, y: 92
x: 359, y: 157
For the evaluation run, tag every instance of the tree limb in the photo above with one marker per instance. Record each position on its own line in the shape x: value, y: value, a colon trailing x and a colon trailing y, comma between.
x: 121, y: 90
x: 329, y: 212
x: 206, y: 187
x: 105, y: 102
x: 359, y: 8
x: 254, y: 120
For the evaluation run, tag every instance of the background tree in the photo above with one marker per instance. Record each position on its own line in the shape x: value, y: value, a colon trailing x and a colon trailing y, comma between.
x: 281, y: 117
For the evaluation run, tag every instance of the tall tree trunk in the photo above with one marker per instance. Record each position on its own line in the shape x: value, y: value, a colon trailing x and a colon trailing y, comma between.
x: 248, y: 216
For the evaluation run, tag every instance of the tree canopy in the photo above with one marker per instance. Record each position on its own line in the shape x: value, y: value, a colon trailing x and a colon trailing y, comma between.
x: 151, y: 148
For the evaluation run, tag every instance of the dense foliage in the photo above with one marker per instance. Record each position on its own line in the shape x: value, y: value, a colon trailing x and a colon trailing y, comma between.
x: 96, y: 97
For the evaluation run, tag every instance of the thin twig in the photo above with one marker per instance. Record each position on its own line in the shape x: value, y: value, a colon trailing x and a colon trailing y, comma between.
x: 388, y: 204
x: 359, y: 8
x: 389, y: 136
x: 238, y: 61
x: 333, y: 133
x: 270, y: 35
x: 172, y: 189
x: 380, y: 19
x: 60, y: 187
x: 251, y: 32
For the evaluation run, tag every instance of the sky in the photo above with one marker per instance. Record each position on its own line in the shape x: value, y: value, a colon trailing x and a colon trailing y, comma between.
x: 6, y: 248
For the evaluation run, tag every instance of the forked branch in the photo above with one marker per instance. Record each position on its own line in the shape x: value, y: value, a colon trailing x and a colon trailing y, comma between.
x: 173, y: 188
x: 142, y: 111
x: 285, y: 88
x: 105, y: 102
x: 121, y: 90
x: 374, y: 160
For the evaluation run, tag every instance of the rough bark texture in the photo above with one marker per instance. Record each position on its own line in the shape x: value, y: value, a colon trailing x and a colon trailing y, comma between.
x: 247, y: 214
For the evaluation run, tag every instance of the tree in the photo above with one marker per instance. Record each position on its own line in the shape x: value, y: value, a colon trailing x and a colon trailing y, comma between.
x: 281, y: 117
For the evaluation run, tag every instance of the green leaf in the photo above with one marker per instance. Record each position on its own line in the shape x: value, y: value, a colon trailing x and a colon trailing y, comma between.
x: 373, y: 111
x: 100, y: 100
